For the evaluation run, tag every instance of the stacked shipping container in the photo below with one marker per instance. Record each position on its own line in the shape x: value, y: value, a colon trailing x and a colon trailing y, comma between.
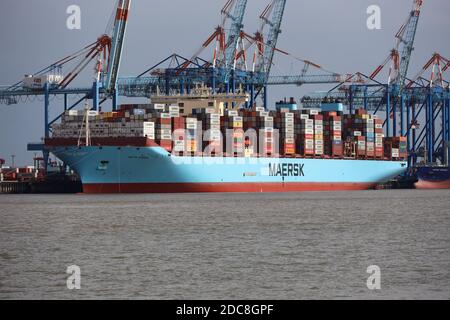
x: 284, y: 122
x: 308, y: 133
x: 333, y: 144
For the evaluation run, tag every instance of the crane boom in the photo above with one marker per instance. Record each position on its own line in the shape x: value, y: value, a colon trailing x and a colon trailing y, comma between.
x: 277, y: 10
x: 406, y: 37
x: 120, y: 25
x: 235, y: 30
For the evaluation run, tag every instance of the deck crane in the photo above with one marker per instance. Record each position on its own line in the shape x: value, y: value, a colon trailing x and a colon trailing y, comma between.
x: 400, y: 55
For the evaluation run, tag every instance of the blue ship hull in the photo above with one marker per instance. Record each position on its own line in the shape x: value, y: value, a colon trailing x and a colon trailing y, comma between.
x: 153, y: 169
x: 433, y: 177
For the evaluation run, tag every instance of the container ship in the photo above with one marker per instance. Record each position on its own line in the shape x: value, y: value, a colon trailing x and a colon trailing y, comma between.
x: 205, y: 143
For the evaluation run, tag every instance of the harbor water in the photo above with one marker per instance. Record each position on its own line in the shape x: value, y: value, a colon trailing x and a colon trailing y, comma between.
x: 227, y: 246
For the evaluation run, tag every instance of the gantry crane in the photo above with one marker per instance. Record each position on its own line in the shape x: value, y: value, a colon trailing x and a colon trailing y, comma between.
x: 273, y: 16
x: 237, y: 19
x: 226, y: 42
x: 107, y: 49
x: 400, y: 55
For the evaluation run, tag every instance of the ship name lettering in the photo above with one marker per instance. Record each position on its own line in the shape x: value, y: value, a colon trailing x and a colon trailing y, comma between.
x: 286, y: 170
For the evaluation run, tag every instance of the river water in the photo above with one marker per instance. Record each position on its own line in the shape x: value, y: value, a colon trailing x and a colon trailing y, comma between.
x: 227, y: 246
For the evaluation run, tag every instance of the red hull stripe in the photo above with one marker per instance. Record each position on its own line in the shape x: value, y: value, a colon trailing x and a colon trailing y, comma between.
x: 433, y: 184
x: 220, y: 187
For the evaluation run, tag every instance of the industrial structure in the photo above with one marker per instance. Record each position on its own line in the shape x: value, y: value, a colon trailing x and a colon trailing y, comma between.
x: 242, y: 62
x: 406, y: 102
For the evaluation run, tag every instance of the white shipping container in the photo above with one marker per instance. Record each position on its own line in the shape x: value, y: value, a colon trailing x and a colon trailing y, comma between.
x: 308, y: 131
x: 179, y: 142
x: 289, y: 140
x: 178, y: 148
x: 213, y: 116
x: 164, y: 115
x: 72, y: 112
x: 313, y: 111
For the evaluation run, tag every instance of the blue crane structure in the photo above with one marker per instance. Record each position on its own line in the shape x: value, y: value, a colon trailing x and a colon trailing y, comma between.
x: 272, y: 17
x: 406, y: 37
x: 235, y: 30
x: 400, y: 55
x: 120, y: 26
x: 406, y: 102
x: 424, y: 101
x: 276, y: 8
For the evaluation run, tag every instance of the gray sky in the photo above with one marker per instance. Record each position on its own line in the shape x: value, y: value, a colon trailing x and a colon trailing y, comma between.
x: 332, y: 33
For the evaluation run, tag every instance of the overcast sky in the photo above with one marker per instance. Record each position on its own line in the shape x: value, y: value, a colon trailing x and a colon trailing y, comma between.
x: 332, y: 33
